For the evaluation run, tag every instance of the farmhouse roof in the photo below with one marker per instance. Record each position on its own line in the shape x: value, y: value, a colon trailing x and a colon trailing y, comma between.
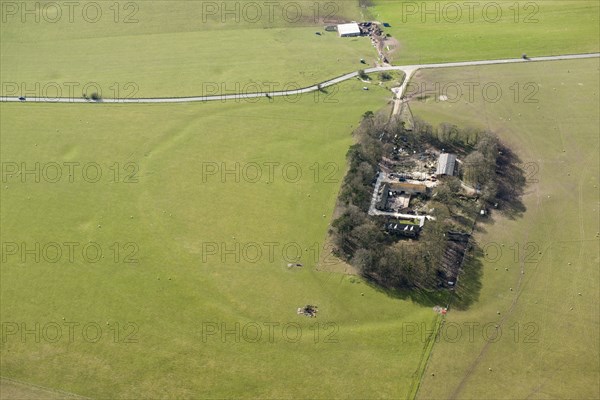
x: 403, y: 229
x: 446, y: 164
x: 404, y: 186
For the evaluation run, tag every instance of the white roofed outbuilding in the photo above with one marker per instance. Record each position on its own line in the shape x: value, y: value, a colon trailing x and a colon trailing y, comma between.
x: 347, y: 30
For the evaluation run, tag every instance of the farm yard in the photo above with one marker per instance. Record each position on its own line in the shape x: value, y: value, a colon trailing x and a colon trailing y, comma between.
x: 200, y: 230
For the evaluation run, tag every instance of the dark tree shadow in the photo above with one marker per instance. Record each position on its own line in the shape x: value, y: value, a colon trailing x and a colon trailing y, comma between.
x: 480, y: 228
x: 469, y: 284
x: 422, y: 297
x: 461, y: 297
x: 511, y: 184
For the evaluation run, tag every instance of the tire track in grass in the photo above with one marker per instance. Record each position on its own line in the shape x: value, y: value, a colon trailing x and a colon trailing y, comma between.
x: 486, y: 346
x: 61, y: 394
x: 424, y: 359
x: 581, y: 215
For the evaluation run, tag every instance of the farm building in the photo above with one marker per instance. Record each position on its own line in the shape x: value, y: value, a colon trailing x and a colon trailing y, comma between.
x: 397, y: 194
x: 402, y: 229
x: 382, y: 204
x: 446, y: 164
x: 347, y: 30
x: 408, y: 188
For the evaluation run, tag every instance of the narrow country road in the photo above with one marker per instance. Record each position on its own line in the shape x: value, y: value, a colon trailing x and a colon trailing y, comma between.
x: 409, y: 70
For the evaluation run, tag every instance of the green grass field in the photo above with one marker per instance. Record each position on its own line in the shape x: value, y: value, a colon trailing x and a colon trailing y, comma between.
x: 169, y: 213
x: 174, y: 212
x: 548, y: 347
x: 444, y: 31
x: 181, y: 48
x: 175, y: 49
x: 11, y: 389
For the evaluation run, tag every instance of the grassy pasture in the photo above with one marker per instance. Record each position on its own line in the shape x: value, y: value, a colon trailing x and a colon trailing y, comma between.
x: 170, y: 213
x: 548, y: 346
x: 176, y: 48
x: 11, y: 389
x: 444, y: 31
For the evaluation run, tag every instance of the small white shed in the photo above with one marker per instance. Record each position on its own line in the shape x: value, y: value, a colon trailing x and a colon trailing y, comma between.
x: 346, y: 30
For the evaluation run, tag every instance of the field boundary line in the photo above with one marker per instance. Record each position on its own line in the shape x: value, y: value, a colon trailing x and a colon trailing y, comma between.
x: 425, y: 356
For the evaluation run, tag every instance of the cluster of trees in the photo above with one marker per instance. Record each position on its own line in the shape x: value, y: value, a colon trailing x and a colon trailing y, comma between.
x: 451, y: 137
x: 363, y: 75
x: 385, y: 260
x: 361, y: 240
x: 385, y: 76
x: 94, y: 96
x: 479, y: 167
x: 363, y: 159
